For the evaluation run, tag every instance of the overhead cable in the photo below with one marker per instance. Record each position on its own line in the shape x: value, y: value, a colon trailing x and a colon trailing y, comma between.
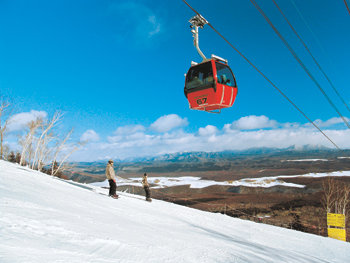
x: 309, y: 28
x: 312, y: 56
x: 265, y: 77
x: 300, y: 62
x: 347, y: 6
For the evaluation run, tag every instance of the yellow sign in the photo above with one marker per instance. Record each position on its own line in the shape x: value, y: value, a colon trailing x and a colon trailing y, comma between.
x: 335, y: 220
x: 337, y: 233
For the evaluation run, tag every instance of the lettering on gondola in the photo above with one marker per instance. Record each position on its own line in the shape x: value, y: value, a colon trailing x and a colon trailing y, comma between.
x: 202, y: 101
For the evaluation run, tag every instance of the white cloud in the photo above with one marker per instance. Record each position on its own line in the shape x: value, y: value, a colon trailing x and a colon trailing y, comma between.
x: 129, y: 129
x: 136, y: 21
x: 89, y: 136
x: 155, y: 25
x: 168, y: 122
x: 253, y: 122
x: 138, y: 141
x: 330, y: 122
x: 115, y: 138
x: 21, y: 120
x: 208, y: 130
x: 291, y: 125
x: 124, y: 132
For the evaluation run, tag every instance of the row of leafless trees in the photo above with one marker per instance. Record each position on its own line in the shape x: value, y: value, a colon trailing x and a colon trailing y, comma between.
x: 39, y: 143
x: 336, y: 196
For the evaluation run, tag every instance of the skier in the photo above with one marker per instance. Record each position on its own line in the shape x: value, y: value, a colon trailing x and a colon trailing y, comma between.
x: 110, y: 174
x: 146, y: 187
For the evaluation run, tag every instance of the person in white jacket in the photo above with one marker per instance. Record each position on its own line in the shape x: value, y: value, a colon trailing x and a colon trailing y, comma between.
x: 110, y: 174
x: 145, y: 185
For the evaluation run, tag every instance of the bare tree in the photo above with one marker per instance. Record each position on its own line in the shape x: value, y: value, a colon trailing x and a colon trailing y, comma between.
x: 4, y: 106
x: 68, y: 151
x: 343, y: 201
x: 329, y: 190
x: 43, y: 140
x: 18, y: 158
x: 336, y: 198
x: 44, y: 153
x: 27, y: 142
x: 6, y: 151
x: 41, y: 145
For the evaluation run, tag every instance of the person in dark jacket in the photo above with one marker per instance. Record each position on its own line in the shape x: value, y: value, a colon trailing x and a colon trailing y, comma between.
x: 110, y: 174
x: 146, y: 187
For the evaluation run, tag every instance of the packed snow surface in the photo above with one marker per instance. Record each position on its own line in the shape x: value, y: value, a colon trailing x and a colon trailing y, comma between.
x: 44, y: 219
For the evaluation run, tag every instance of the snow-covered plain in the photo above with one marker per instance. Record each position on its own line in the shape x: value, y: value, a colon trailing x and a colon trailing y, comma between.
x: 306, y: 160
x: 196, y: 182
x: 44, y: 219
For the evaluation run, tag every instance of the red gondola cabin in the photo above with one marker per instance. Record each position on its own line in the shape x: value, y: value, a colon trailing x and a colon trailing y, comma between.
x: 210, y: 85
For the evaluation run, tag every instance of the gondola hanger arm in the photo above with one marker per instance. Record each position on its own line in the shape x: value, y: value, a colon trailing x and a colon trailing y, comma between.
x: 197, y: 22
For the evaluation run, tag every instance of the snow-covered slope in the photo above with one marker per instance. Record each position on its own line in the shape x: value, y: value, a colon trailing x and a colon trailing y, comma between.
x: 43, y: 219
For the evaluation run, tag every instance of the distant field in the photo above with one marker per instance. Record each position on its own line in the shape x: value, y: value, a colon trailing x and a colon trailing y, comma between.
x: 221, y: 167
x: 283, y: 189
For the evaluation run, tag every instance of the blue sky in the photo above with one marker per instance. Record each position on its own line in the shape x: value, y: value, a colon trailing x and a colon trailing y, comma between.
x: 116, y: 69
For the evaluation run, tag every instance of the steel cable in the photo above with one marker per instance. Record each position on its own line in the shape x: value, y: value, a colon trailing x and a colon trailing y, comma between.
x: 312, y: 56
x: 300, y: 62
x: 265, y: 77
x: 347, y: 6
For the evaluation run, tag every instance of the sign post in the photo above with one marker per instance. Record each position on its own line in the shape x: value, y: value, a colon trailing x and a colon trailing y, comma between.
x: 336, y: 226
